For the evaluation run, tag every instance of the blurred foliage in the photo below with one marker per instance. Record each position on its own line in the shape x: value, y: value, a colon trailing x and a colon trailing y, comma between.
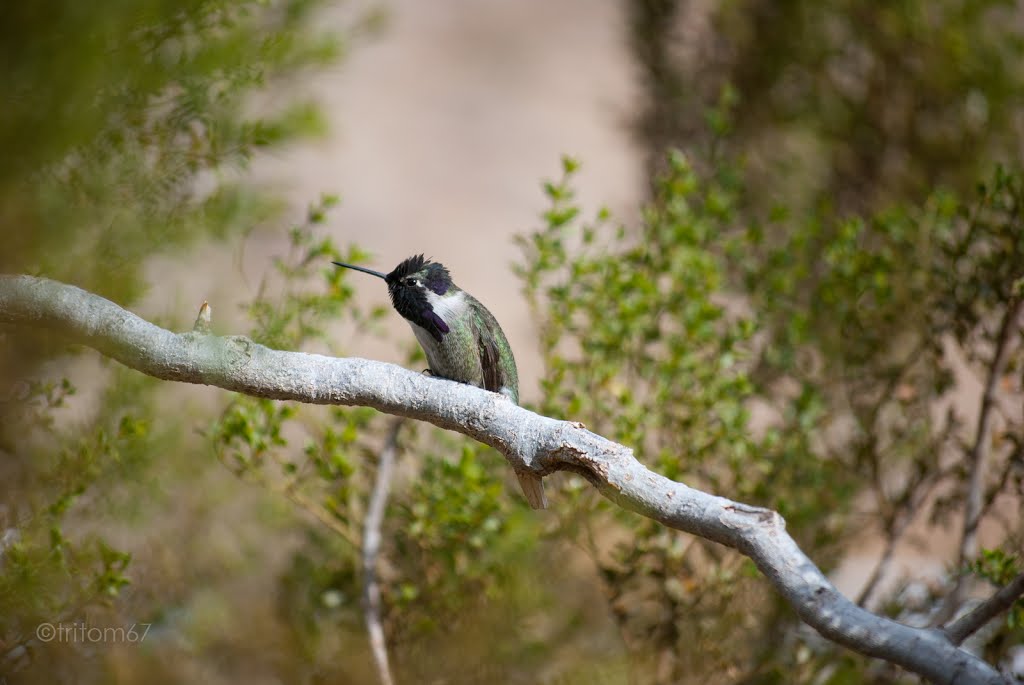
x: 999, y: 568
x: 635, y: 320
x: 858, y: 103
x: 668, y: 335
x: 59, y: 467
x: 641, y: 343
x: 787, y: 323
x: 121, y: 120
x: 883, y: 314
x: 882, y: 277
x: 123, y: 127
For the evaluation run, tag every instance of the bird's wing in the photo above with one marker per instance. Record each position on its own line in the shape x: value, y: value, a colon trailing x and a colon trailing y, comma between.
x: 490, y: 361
x: 493, y: 347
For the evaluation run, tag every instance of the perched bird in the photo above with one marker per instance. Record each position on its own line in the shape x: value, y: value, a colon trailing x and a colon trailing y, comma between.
x: 462, y: 340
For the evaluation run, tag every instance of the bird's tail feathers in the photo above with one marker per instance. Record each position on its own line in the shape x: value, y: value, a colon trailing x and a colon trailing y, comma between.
x: 533, y: 488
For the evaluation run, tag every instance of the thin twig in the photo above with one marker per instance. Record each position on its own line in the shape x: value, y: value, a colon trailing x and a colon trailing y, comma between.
x: 371, y: 548
x: 320, y: 512
x: 980, y: 451
x: 1004, y: 476
x: 907, y: 508
x: 1002, y: 600
x: 979, y: 459
x: 899, y: 526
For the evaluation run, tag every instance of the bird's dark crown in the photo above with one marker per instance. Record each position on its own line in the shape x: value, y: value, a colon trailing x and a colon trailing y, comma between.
x: 431, y: 275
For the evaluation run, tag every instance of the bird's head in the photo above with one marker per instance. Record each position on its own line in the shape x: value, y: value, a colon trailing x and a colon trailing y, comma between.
x: 415, y: 286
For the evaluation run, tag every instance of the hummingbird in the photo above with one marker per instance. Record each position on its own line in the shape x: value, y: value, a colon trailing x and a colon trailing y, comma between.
x: 461, y: 338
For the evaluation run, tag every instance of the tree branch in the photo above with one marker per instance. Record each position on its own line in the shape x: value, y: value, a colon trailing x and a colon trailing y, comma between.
x: 528, y: 441
x: 371, y: 547
x: 1002, y: 600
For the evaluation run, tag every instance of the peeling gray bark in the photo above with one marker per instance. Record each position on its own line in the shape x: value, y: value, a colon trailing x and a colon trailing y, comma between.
x: 528, y: 441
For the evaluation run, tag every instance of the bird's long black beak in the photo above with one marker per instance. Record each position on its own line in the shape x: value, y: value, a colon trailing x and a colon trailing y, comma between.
x: 363, y: 269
